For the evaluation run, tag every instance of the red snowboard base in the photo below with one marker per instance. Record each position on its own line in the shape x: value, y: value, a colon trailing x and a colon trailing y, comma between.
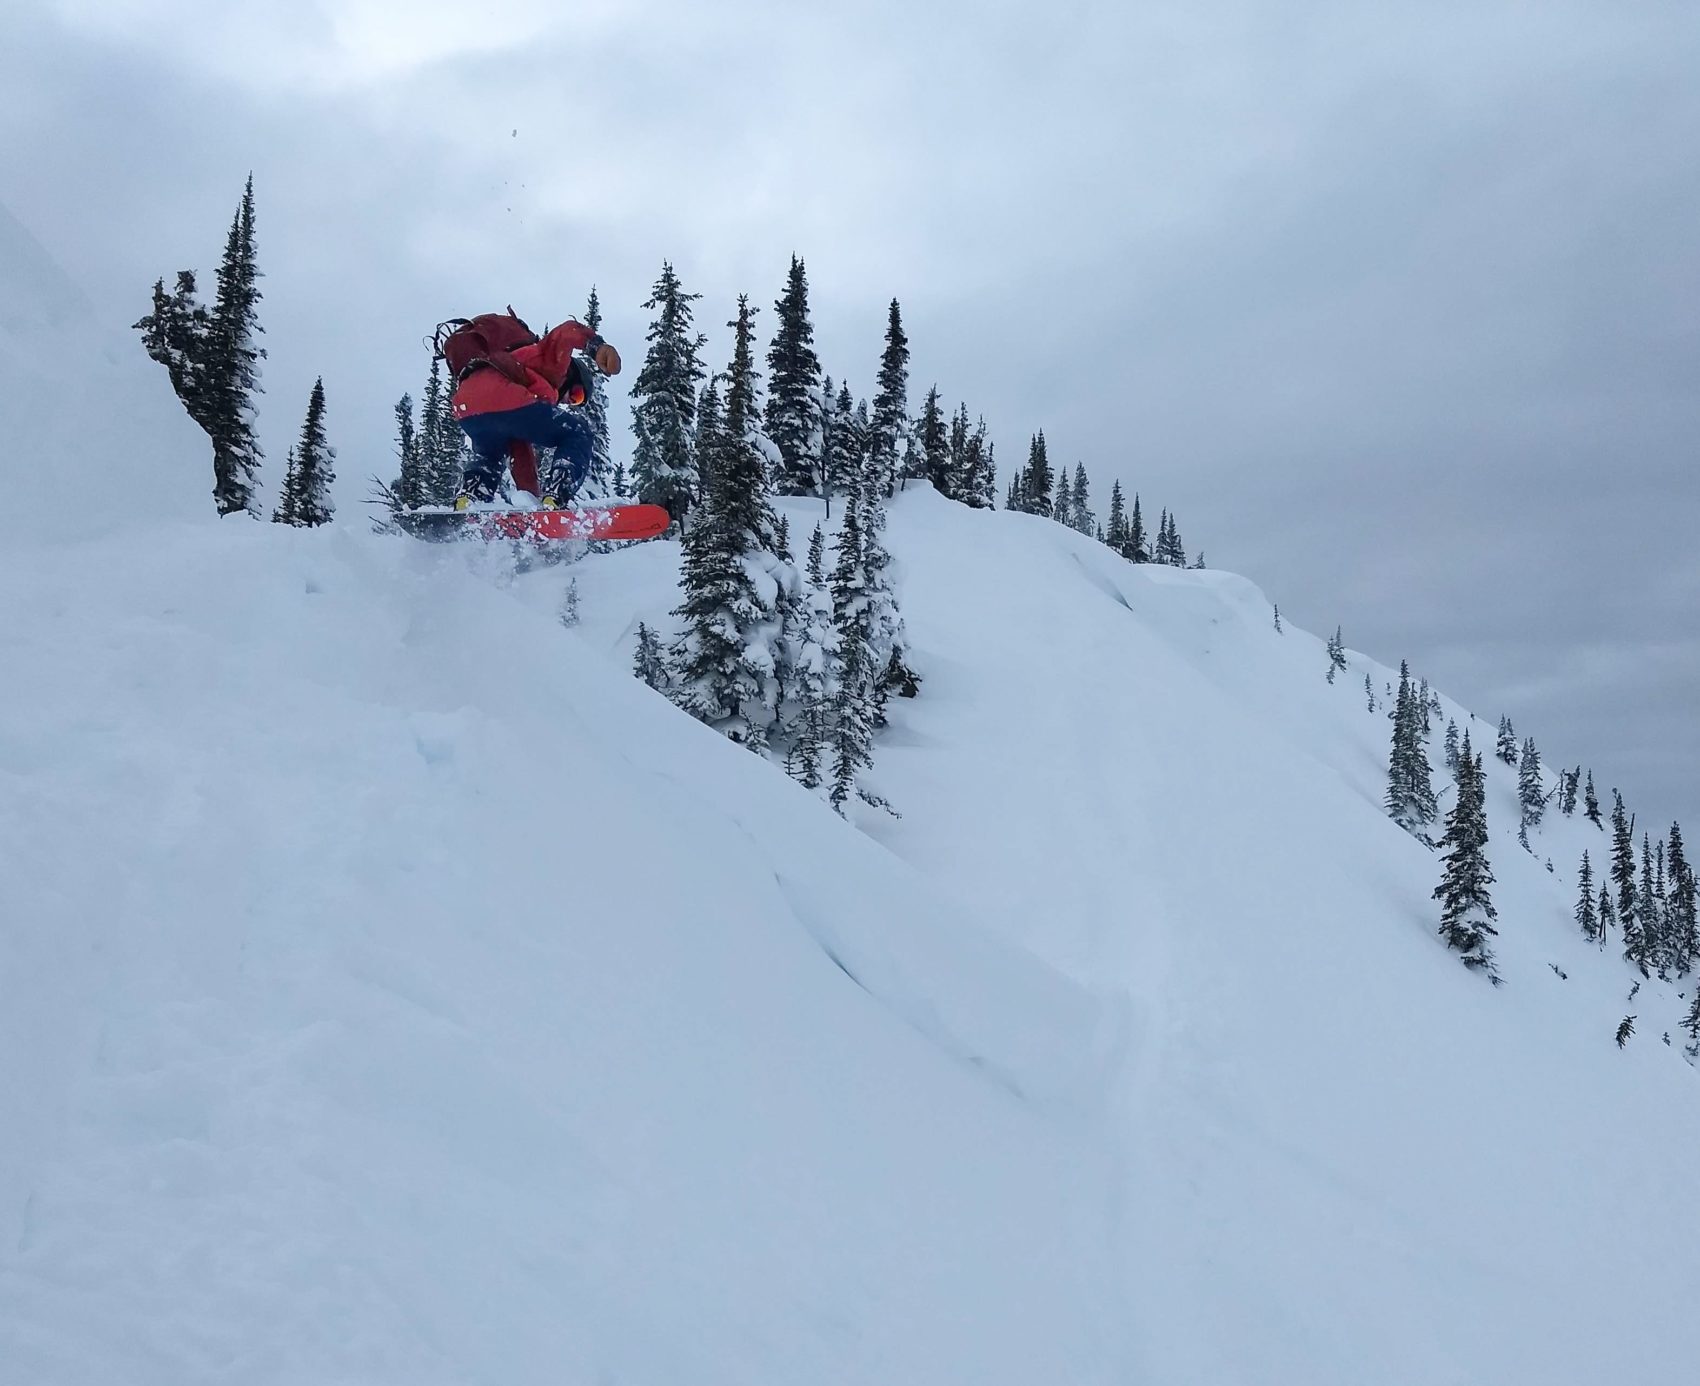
x: 591, y: 522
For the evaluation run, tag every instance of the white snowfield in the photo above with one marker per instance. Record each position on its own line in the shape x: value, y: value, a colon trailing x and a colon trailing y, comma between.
x: 394, y: 990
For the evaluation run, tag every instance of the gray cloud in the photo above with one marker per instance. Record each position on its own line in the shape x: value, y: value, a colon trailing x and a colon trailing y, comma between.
x: 1399, y: 310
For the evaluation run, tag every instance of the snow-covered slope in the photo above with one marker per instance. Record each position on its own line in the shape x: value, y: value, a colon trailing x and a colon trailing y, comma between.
x: 399, y: 993
x: 395, y: 990
x: 92, y: 439
x: 1344, y: 1158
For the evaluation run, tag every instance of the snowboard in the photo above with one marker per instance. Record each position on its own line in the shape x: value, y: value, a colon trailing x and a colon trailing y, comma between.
x: 498, y: 522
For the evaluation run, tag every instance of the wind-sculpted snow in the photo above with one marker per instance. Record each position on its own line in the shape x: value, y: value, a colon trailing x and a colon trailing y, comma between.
x: 398, y: 991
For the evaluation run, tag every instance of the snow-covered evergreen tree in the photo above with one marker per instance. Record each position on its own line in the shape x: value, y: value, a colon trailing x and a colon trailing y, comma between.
x: 1654, y: 944
x: 306, y: 498
x: 1138, y: 548
x: 409, y: 485
x: 845, y: 447
x: 887, y: 639
x: 984, y: 467
x: 648, y: 662
x: 176, y: 335
x: 1569, y: 785
x: 1410, y: 791
x: 853, y: 704
x: 664, y: 399
x: 815, y: 683
x: 971, y: 463
x: 1035, y: 491
x: 794, y: 390
x: 1607, y: 914
x: 942, y: 463
x: 1506, y: 749
x: 1591, y: 804
x: 1467, y: 912
x: 888, y: 432
x: 1062, y: 503
x: 1623, y: 877
x: 568, y: 610
x: 1587, y: 916
x: 232, y: 376
x: 1080, y: 498
x: 212, y: 358
x: 1684, y: 924
x: 1531, y: 785
x: 1336, y: 654
x: 727, y: 664
x: 1452, y: 747
x: 1691, y: 1024
x: 1115, y: 531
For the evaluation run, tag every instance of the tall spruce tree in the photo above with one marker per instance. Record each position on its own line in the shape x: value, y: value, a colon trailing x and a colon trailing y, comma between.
x: 1591, y: 804
x: 854, y: 702
x: 1587, y: 917
x: 408, y: 488
x: 1138, y: 548
x: 728, y: 668
x: 306, y: 499
x: 1654, y: 944
x: 887, y: 639
x: 976, y: 484
x: 815, y: 683
x: 1410, y: 791
x: 212, y: 359
x: 1115, y: 532
x: 941, y: 445
x: 664, y: 397
x: 1037, y: 481
x: 1062, y: 503
x: 1607, y: 913
x: 1623, y: 877
x: 1080, y: 514
x: 1684, y: 924
x: 1467, y: 912
x: 1531, y: 785
x: 845, y: 447
x: 794, y: 390
x: 233, y: 366
x: 1451, y: 745
x: 889, y: 430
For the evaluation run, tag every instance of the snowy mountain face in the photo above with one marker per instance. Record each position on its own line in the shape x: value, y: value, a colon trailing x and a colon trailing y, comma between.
x: 87, y: 424
x: 397, y: 990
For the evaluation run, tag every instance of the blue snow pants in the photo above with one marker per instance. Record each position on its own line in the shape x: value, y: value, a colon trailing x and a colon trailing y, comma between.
x: 564, y: 434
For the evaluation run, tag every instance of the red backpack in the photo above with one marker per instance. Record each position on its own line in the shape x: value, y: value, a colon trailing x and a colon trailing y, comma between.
x: 486, y: 340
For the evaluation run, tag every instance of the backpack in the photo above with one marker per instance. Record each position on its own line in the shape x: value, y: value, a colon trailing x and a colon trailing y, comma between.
x: 486, y: 340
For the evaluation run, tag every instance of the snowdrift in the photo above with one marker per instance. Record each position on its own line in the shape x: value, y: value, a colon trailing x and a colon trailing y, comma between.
x: 1343, y: 1158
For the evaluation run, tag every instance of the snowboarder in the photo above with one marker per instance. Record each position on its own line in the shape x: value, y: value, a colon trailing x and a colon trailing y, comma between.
x: 508, y: 400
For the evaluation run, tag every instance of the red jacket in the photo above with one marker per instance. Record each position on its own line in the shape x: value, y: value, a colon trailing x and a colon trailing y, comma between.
x: 488, y: 391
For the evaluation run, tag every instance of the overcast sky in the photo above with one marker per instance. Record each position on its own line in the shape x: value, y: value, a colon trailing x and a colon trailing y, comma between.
x: 1398, y: 307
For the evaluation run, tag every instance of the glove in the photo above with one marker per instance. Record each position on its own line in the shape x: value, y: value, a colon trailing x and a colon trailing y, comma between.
x: 607, y: 360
